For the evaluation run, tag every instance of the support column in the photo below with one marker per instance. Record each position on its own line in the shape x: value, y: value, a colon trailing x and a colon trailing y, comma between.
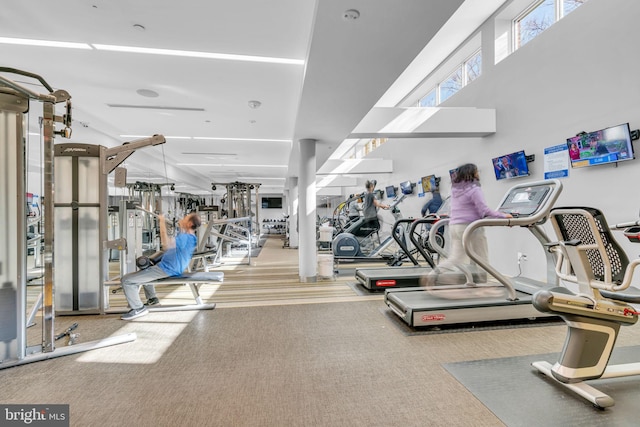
x: 294, y: 198
x: 307, y: 211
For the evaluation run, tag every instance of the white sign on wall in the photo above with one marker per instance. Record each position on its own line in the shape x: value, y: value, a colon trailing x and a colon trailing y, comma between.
x: 556, y: 161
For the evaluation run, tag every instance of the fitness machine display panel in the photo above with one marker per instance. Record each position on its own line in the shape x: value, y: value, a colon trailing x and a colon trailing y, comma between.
x: 524, y: 201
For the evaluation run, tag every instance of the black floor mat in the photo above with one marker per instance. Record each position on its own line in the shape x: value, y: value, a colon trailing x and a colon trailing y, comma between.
x: 517, y: 394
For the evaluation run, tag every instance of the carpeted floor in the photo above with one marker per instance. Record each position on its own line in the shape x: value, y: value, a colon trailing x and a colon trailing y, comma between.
x: 328, y: 359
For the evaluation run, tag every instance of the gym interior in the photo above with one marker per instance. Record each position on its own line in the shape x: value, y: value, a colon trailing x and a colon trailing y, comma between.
x: 268, y: 121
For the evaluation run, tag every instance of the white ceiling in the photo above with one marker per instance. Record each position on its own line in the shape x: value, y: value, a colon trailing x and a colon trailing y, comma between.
x: 345, y: 67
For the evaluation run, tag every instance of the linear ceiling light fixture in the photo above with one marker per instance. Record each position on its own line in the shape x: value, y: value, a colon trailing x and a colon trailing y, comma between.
x: 207, y: 138
x: 147, y: 136
x: 196, y: 54
x: 151, y: 51
x: 231, y: 165
x: 44, y: 43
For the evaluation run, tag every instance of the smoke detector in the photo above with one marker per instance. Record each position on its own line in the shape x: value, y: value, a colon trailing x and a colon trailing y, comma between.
x: 254, y: 104
x: 350, y: 15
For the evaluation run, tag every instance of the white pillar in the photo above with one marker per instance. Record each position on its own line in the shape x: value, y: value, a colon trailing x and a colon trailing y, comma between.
x: 294, y: 205
x: 307, y: 211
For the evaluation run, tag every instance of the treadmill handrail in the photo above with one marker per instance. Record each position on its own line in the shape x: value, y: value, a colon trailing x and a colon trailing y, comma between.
x: 542, y: 213
x: 417, y: 244
x: 400, y: 243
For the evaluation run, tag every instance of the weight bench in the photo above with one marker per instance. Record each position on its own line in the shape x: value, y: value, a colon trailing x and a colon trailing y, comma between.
x: 194, y: 280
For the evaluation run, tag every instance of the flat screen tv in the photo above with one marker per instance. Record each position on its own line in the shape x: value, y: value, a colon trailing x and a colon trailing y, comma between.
x: 428, y: 183
x: 603, y: 146
x: 512, y: 165
x: 272, y: 203
x: 406, y: 187
x: 390, y: 191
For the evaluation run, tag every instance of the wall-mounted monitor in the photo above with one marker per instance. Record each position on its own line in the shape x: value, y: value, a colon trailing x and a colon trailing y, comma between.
x: 406, y: 187
x: 428, y: 183
x: 390, y: 191
x: 512, y: 165
x: 603, y: 146
x: 272, y: 203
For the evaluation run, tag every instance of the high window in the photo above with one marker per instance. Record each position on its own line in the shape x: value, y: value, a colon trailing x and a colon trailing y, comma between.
x: 463, y: 74
x: 540, y: 16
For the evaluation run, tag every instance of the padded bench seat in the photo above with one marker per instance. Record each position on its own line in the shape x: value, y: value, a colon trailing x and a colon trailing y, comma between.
x: 195, y: 277
x: 194, y: 280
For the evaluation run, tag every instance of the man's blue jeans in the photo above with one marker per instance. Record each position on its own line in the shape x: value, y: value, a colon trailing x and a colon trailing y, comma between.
x: 131, y: 284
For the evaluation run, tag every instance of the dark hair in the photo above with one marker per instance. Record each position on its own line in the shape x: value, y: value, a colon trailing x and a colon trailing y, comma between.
x: 466, y: 172
x: 370, y: 184
x: 194, y: 219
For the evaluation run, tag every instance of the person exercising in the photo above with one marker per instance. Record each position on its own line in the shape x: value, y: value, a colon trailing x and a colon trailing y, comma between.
x: 370, y: 206
x: 467, y: 205
x: 174, y: 262
x: 434, y: 204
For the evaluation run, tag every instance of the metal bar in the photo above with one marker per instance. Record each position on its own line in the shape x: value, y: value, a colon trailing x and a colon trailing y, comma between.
x: 72, y: 349
x: 48, y: 336
x: 75, y: 286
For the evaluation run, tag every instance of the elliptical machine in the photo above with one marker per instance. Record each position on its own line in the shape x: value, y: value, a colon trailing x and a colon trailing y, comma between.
x: 358, y: 242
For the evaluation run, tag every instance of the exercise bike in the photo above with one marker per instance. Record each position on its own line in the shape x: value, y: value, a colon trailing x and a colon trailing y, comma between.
x: 600, y: 269
x: 362, y: 243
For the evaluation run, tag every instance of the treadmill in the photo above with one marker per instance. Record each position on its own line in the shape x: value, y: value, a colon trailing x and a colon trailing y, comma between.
x: 530, y: 204
x: 383, y: 278
x: 387, y: 277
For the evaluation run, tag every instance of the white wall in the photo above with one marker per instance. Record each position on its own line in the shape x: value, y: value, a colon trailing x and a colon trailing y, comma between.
x: 579, y: 75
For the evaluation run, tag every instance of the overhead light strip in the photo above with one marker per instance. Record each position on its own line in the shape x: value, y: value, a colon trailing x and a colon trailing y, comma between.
x: 44, y: 43
x: 196, y: 54
x: 151, y: 51
x: 205, y: 138
x: 231, y: 165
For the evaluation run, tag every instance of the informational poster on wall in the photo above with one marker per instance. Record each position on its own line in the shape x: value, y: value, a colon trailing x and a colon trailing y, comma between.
x: 556, y: 162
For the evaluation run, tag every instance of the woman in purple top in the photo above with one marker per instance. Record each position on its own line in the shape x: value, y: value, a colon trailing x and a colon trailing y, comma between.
x: 468, y: 205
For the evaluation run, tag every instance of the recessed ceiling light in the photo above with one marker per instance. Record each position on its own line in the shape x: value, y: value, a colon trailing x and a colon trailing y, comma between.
x: 148, y: 93
x: 139, y: 27
x: 254, y: 104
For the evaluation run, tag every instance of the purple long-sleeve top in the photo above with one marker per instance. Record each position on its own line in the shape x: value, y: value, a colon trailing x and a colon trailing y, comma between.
x: 468, y: 204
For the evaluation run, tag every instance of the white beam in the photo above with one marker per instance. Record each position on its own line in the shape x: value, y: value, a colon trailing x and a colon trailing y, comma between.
x: 426, y: 122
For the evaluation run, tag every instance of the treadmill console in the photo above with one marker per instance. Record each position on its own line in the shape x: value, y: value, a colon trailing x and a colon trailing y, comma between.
x: 525, y: 201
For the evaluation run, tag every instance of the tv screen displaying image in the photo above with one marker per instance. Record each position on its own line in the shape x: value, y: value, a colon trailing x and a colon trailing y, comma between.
x: 272, y: 203
x: 512, y: 165
x: 428, y: 183
x: 390, y: 191
x: 406, y: 187
x: 603, y: 146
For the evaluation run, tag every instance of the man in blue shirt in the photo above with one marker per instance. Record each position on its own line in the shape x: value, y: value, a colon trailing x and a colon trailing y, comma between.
x: 432, y: 205
x: 178, y: 253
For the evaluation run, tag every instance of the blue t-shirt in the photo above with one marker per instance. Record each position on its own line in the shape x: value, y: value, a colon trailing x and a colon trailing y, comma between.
x: 176, y: 260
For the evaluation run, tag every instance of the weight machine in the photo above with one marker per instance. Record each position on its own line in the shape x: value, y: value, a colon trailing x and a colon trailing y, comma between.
x: 15, y: 102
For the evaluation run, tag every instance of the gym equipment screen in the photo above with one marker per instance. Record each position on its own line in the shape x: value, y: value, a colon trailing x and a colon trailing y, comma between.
x: 512, y: 165
x: 603, y: 146
x: 391, y: 191
x: 428, y: 183
x: 406, y: 187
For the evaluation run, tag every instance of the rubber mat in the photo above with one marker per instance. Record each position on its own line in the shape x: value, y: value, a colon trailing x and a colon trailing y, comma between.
x: 517, y: 394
